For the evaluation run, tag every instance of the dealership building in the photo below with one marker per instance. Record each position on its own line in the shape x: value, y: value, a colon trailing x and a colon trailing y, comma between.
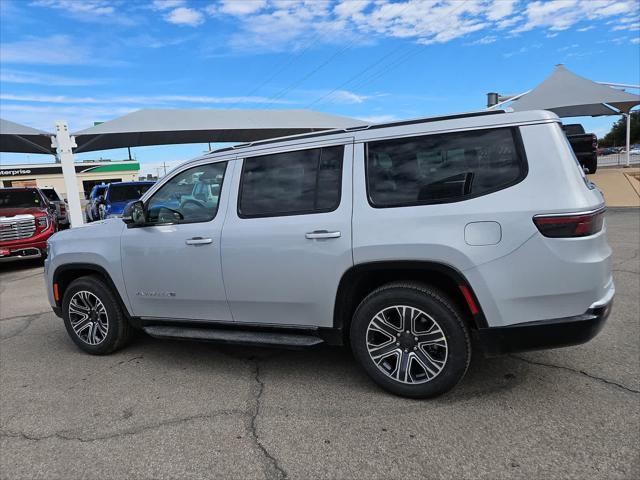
x: 88, y: 174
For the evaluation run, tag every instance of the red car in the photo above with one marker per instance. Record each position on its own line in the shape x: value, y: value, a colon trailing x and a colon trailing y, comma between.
x: 27, y: 220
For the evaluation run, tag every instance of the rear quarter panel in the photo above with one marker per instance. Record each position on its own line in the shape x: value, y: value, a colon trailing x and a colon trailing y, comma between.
x: 436, y: 233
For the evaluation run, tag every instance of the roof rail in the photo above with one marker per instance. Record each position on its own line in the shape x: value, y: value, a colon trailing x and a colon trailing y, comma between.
x: 396, y: 123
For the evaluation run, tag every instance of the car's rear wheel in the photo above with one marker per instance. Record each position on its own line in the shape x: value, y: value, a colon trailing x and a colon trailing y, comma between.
x: 411, y: 340
x: 93, y: 317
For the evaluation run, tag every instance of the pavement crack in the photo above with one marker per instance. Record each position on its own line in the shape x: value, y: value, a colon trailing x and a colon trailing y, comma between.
x: 580, y: 372
x: 27, y: 323
x: 273, y: 470
x: 625, y: 271
x: 15, y: 317
x: 71, y: 436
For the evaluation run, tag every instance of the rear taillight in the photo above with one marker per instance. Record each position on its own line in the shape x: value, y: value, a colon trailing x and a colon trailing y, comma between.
x: 571, y: 225
x: 63, y: 209
x: 594, y: 141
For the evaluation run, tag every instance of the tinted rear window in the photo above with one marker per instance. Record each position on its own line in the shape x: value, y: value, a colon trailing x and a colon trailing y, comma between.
x: 442, y: 168
x: 123, y: 193
x: 20, y: 199
x: 291, y: 183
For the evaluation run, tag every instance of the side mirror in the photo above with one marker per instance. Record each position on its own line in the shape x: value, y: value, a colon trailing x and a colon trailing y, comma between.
x: 100, y: 199
x: 134, y: 214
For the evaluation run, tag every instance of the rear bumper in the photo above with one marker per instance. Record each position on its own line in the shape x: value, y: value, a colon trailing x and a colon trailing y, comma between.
x: 561, y: 332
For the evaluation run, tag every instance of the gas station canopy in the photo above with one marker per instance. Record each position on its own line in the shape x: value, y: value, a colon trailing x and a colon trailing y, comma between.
x: 170, y: 126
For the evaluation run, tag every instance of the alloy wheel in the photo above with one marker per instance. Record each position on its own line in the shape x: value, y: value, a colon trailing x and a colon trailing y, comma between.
x: 407, y: 344
x: 88, y: 317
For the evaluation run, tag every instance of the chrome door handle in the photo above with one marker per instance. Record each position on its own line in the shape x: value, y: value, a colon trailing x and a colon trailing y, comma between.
x: 322, y: 234
x: 198, y: 241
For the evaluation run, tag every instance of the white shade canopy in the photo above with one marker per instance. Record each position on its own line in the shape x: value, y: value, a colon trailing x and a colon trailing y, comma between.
x: 22, y: 139
x: 172, y: 126
x: 570, y: 95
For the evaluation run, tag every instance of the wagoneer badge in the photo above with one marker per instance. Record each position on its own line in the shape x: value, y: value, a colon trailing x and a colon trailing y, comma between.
x: 156, y: 294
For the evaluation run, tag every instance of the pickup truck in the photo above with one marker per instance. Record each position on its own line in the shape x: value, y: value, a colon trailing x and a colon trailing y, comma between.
x: 27, y: 220
x: 584, y: 145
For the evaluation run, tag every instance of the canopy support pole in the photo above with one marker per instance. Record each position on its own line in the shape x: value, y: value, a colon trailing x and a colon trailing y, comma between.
x: 628, y: 115
x: 64, y: 144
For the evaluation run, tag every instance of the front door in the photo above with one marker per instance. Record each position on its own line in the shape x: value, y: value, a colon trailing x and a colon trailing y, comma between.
x: 287, y: 236
x: 172, y: 266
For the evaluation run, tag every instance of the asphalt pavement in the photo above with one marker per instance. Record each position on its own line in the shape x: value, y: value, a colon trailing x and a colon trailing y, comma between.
x: 169, y: 409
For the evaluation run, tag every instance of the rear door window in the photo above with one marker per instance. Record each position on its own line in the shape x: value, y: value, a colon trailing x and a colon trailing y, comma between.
x: 291, y: 183
x: 443, y: 167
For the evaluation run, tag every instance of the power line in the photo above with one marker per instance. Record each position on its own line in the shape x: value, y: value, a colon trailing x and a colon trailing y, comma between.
x: 326, y: 62
x: 386, y: 68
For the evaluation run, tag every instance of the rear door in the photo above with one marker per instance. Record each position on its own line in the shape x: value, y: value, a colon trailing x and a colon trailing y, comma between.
x: 286, y: 241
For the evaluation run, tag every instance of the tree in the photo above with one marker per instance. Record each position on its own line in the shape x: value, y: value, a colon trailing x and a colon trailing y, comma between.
x: 617, y: 136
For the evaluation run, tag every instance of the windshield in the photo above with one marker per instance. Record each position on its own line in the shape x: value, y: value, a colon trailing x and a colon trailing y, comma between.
x: 51, y: 194
x: 123, y: 193
x: 19, y: 199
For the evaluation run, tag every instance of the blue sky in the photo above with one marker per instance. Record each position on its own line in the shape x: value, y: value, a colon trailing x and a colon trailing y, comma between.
x: 94, y: 60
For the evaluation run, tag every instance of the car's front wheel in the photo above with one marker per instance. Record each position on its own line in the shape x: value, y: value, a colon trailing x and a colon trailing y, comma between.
x: 411, y: 340
x: 93, y: 317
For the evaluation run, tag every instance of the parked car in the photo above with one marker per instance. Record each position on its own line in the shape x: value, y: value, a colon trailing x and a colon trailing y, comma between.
x: 404, y: 240
x: 117, y: 195
x: 609, y: 151
x: 96, y: 197
x: 584, y: 145
x: 27, y: 221
x: 62, y: 211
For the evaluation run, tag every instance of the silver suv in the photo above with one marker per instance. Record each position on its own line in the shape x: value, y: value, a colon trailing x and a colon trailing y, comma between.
x: 412, y: 242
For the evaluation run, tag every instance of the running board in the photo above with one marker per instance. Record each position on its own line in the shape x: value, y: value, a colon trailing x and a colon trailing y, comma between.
x: 270, y: 339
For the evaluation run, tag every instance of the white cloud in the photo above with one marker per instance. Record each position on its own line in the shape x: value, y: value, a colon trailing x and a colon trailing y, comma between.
x: 373, y: 119
x: 345, y: 96
x: 635, y: 40
x: 185, y: 16
x: 241, y: 7
x: 141, y: 100
x: 52, y: 50
x: 34, y: 78
x: 84, y: 7
x: 99, y: 11
x: 628, y: 26
x: 486, y: 40
x: 499, y: 9
x: 562, y: 14
x: 350, y: 8
x: 278, y: 25
x: 166, y: 4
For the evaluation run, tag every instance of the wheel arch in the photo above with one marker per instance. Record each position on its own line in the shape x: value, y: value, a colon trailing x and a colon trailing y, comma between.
x: 67, y: 273
x: 357, y: 282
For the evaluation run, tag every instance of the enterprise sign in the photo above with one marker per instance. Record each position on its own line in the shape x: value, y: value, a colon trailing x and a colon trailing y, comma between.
x: 56, y: 170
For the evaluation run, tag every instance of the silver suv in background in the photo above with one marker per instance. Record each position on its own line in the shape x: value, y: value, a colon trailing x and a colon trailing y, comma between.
x: 413, y: 242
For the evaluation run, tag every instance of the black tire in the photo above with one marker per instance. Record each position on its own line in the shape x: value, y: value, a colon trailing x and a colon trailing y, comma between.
x: 118, y: 330
x: 445, y: 315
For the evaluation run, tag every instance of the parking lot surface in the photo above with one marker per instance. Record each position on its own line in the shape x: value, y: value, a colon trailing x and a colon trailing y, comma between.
x: 161, y: 409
